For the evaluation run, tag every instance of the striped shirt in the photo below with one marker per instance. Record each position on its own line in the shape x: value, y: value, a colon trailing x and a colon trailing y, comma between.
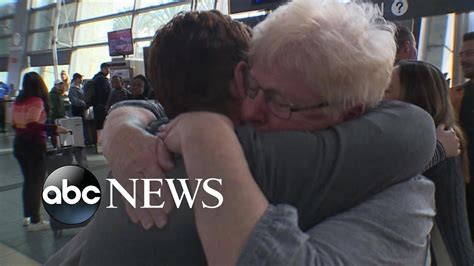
x: 29, y: 119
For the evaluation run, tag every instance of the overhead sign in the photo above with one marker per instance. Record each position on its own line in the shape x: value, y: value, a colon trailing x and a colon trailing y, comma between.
x: 408, y: 9
x: 393, y: 9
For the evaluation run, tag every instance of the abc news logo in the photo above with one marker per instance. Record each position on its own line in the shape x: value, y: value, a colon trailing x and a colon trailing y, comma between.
x: 72, y: 195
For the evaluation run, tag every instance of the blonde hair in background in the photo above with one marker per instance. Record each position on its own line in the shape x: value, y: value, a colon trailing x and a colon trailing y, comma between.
x: 344, y: 51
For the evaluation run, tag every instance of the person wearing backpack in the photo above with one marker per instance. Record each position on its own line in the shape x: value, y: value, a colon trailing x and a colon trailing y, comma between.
x: 76, y: 96
x: 100, y: 96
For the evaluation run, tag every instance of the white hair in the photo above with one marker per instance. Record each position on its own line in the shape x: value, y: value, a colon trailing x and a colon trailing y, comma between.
x: 344, y: 51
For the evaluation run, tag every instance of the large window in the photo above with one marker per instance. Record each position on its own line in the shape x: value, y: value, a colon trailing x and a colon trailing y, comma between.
x: 96, y: 32
x: 98, y: 8
x: 46, y: 72
x: 87, y: 60
x: 6, y: 26
x: 138, y: 49
x: 44, y: 18
x: 148, y: 3
x: 147, y: 23
x: 205, y: 5
x: 4, y: 77
x: 39, y: 41
x: 471, y: 21
x: 41, y: 19
x: 4, y: 45
x: 7, y: 7
x: 40, y: 3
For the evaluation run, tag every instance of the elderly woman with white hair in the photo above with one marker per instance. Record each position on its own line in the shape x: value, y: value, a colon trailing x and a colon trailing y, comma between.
x: 336, y: 61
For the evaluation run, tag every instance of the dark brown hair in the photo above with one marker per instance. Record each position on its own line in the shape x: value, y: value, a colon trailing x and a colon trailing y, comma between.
x: 192, y: 61
x: 403, y: 34
x: 424, y: 85
x: 468, y: 36
x: 33, y: 86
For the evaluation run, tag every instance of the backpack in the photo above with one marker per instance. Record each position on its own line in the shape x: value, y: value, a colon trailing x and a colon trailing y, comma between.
x: 89, y: 92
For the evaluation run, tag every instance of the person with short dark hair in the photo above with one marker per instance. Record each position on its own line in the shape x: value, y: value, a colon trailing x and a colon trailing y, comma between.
x: 101, y: 94
x: 406, y: 44
x: 462, y: 97
x: 78, y: 107
x: 118, y: 93
x: 76, y: 96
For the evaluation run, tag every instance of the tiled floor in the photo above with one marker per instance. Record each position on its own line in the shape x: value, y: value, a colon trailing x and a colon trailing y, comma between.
x: 17, y: 246
x: 9, y: 256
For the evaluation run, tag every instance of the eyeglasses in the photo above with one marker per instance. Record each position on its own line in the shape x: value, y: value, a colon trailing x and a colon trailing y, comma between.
x: 277, y: 104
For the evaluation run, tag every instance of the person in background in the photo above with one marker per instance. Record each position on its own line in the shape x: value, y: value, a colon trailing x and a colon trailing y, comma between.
x: 139, y: 83
x: 57, y: 103
x: 424, y: 85
x: 101, y: 92
x: 118, y: 94
x: 30, y: 110
x: 5, y: 92
x: 66, y: 81
x: 406, y: 44
x: 148, y: 92
x: 78, y: 107
x: 58, y: 109
x: 76, y: 96
x: 65, y: 98
x: 462, y: 97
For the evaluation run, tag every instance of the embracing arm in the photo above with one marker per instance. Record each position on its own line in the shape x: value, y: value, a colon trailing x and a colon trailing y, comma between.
x: 327, y: 172
x: 372, y: 233
x: 200, y: 137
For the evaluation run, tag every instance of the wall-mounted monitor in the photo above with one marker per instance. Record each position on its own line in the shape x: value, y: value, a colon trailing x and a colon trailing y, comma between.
x: 120, y: 42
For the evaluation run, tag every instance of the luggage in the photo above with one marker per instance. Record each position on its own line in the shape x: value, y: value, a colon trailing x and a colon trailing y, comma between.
x: 59, y: 157
x: 58, y: 227
x: 56, y: 158
x: 76, y: 138
x: 64, y: 155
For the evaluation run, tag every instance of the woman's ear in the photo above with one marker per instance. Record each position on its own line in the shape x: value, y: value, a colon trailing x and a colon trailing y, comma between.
x: 239, y: 84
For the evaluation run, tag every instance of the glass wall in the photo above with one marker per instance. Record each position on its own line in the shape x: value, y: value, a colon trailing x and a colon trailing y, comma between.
x: 96, y: 32
x: 3, y: 76
x: 448, y: 51
x: 46, y: 72
x: 149, y: 3
x: 84, y: 25
x: 146, y: 24
x: 471, y: 21
x: 41, y: 19
x: 6, y: 26
x: 7, y: 7
x: 4, y: 46
x: 41, y: 3
x: 87, y: 60
x: 39, y: 41
x: 97, y: 8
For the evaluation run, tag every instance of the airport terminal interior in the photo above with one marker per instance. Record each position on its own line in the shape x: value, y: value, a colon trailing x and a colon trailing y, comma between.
x: 69, y: 40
